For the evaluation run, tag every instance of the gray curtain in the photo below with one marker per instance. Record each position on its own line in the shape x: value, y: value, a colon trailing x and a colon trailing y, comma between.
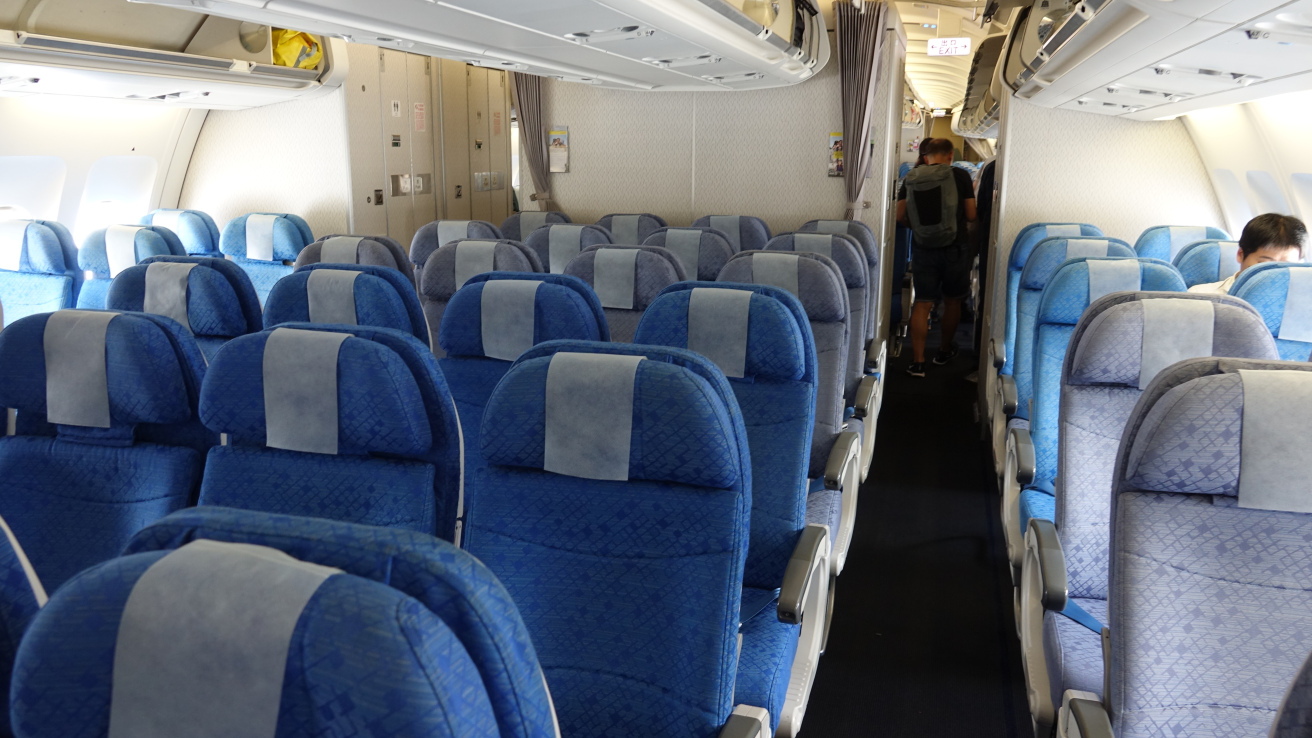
x: 527, y: 92
x: 859, y: 33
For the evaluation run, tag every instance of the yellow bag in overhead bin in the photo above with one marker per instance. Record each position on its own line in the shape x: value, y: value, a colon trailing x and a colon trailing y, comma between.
x: 295, y: 49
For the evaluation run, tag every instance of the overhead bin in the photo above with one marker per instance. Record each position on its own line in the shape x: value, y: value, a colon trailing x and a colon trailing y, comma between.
x: 978, y: 117
x: 625, y: 44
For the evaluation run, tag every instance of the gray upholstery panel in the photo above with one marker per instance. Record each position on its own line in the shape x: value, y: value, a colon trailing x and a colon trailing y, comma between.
x: 565, y: 243
x: 1174, y: 330
x: 1296, y: 321
x: 340, y: 250
x: 121, y: 247
x: 300, y: 390
x: 166, y: 291
x: 330, y: 295
x: 614, y: 276
x: 451, y: 230
x: 776, y: 270
x: 77, y: 382
x: 1086, y: 247
x: 589, y: 415
x: 718, y: 323
x: 624, y: 228
x: 474, y: 257
x: 732, y: 227
x: 1113, y: 275
x: 686, y: 245
x: 259, y: 236
x: 12, y: 235
x: 507, y: 310
x: 1274, y: 463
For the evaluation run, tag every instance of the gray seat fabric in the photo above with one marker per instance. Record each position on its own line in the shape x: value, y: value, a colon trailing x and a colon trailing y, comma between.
x: 653, y: 269
x: 519, y: 225
x: 631, y: 229
x: 869, y: 245
x: 433, y: 235
x: 369, y: 251
x: 454, y: 263
x: 702, y: 252
x: 746, y: 232
x: 556, y: 244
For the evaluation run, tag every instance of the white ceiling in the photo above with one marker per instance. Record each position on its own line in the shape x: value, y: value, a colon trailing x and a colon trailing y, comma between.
x: 939, y: 81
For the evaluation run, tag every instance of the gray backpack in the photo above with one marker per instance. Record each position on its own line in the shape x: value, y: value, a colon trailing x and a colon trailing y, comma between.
x: 933, y: 230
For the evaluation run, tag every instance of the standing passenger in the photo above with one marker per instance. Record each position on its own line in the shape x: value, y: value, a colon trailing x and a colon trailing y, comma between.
x: 1270, y: 237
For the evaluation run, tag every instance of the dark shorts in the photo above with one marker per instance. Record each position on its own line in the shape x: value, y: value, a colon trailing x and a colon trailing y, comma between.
x: 942, y: 273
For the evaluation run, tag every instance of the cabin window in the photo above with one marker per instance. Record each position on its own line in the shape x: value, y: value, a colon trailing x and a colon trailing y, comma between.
x: 31, y: 187
x: 1230, y: 191
x: 1270, y: 199
x: 118, y: 191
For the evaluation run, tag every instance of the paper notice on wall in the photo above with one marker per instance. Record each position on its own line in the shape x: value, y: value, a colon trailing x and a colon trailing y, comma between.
x: 558, y: 150
x: 836, y: 154
x: 421, y: 118
x: 496, y: 124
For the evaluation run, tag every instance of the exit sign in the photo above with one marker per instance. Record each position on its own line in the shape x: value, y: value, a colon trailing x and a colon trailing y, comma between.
x: 949, y: 46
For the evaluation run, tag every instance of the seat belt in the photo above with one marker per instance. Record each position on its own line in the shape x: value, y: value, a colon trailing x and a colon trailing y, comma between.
x: 1081, y: 616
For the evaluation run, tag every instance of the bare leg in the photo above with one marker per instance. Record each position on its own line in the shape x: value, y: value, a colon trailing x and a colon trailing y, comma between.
x: 920, y: 328
x: 951, y: 318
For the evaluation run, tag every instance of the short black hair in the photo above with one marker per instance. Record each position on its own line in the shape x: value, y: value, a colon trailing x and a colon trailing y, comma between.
x: 936, y: 147
x: 1273, y: 230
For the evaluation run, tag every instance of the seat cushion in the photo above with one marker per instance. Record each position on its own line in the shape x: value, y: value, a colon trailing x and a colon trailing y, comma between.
x: 1073, y: 652
x: 1036, y: 504
x: 825, y: 507
x: 765, y: 662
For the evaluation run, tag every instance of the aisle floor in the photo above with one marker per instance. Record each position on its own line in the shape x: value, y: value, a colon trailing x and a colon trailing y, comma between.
x: 923, y: 640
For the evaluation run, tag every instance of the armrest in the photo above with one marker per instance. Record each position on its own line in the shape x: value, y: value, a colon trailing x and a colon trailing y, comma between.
x: 810, y: 551
x: 1091, y: 719
x: 873, y: 351
x: 998, y: 350
x: 1007, y: 399
x: 747, y: 722
x: 1046, y: 544
x: 846, y: 450
x: 865, y: 397
x: 1022, y: 445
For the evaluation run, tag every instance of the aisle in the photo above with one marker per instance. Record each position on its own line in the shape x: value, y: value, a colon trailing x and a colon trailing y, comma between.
x: 923, y: 641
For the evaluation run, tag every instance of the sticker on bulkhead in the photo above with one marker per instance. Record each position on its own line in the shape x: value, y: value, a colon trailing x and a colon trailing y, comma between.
x: 396, y: 108
x: 421, y: 118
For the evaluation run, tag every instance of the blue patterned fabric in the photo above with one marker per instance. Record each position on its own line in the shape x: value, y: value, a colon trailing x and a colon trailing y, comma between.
x: 93, y: 259
x: 48, y: 277
x: 1035, y: 503
x: 364, y: 659
x: 1295, y: 719
x: 1029, y: 237
x: 514, y: 228
x: 630, y: 590
x: 20, y: 599
x: 713, y: 250
x: 290, y: 235
x: 438, y: 279
x: 869, y: 248
x: 765, y: 662
x: 377, y: 251
x: 1266, y: 287
x: 220, y: 297
x: 425, y: 242
x: 574, y: 283
x: 647, y: 223
x: 540, y: 241
x: 1201, y: 262
x: 384, y: 298
x: 753, y: 232
x: 1159, y: 243
x: 196, y: 230
x: 1073, y: 652
x: 654, y: 270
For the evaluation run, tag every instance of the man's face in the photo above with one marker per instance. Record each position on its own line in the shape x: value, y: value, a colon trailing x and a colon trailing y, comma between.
x: 1268, y: 254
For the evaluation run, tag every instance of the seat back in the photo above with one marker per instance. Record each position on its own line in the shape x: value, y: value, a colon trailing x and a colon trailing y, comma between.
x: 213, y: 299
x: 869, y: 247
x: 846, y: 254
x: 268, y: 646
x: 614, y: 480
x: 745, y: 232
x: 556, y: 244
x: 365, y: 250
x: 1203, y: 262
x: 1282, y: 293
x: 347, y: 294
x: 107, y: 252
x: 1166, y: 242
x: 266, y: 246
x: 760, y: 338
x: 107, y: 432
x: 626, y: 279
x: 702, y: 252
x: 432, y: 236
x: 818, y: 284
x: 1295, y: 717
x: 20, y: 599
x: 342, y: 422
x: 1118, y: 347
x: 196, y: 230
x: 519, y: 225
x: 1021, y: 248
x: 1209, y: 567
x: 457, y: 262
x: 1047, y: 257
x: 38, y: 269
x: 631, y: 229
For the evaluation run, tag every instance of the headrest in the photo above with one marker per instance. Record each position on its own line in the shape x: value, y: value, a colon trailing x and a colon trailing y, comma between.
x: 1241, y: 434
x: 95, y: 369
x: 745, y: 232
x: 811, y: 278
x: 1207, y: 261
x: 347, y: 294
x: 702, y: 252
x: 456, y: 262
x: 583, y: 289
x: 858, y: 231
x: 502, y: 318
x: 365, y: 250
x: 1166, y: 242
x: 1051, y: 253
x: 518, y: 226
x: 187, y: 289
x: 609, y: 416
x: 631, y: 229
x: 1282, y: 293
x: 1080, y: 282
x: 626, y: 277
x: 1127, y: 338
x: 1031, y: 235
x: 108, y: 251
x: 748, y: 331
x: 432, y: 236
x: 195, y: 229
x: 556, y: 244
x: 304, y: 388
x: 843, y: 250
x: 276, y: 237
x: 31, y: 246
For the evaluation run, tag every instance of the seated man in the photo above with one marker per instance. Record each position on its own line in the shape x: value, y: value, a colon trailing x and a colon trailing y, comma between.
x: 1269, y: 237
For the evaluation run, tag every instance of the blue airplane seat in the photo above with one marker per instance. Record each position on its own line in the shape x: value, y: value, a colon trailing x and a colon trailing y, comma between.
x: 1204, y: 262
x: 347, y: 294
x: 432, y: 236
x: 745, y: 232
x: 1282, y: 293
x: 38, y: 269
x: 702, y: 252
x: 196, y: 230
x: 266, y: 245
x: 109, y: 251
x: 626, y: 280
x: 631, y: 229
x: 519, y: 225
x: 1166, y: 242
x: 556, y: 244
x: 363, y: 250
x: 455, y: 263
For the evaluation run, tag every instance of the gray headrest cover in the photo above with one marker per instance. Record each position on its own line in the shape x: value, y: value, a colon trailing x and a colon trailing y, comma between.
x: 625, y: 228
x: 1116, y: 275
x: 1274, y: 463
x: 1081, y: 247
x: 77, y: 385
x: 686, y: 245
x: 563, y: 243
x: 451, y: 230
x: 121, y: 247
x: 12, y: 235
x: 1229, y: 264
x: 1296, y: 324
x: 169, y: 219
x: 259, y: 236
x: 531, y: 221
x: 814, y: 243
x: 776, y: 270
x: 330, y: 296
x: 166, y: 291
x: 34, y: 582
x: 202, y: 647
x: 508, y: 315
x: 341, y: 250
x: 300, y: 390
x: 831, y: 226
x: 1063, y: 231
x: 589, y: 415
x: 732, y: 227
x: 474, y: 257
x: 1174, y: 330
x: 613, y: 277
x: 1182, y: 236
x: 717, y: 327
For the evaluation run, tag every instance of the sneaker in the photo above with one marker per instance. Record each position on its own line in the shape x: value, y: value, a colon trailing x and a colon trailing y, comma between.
x: 917, y: 369
x: 945, y: 355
